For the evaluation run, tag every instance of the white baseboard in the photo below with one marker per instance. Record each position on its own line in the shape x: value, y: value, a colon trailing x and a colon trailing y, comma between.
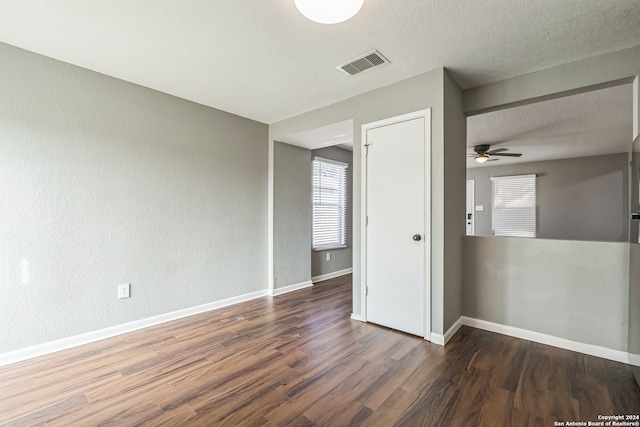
x: 437, y: 338
x: 357, y: 317
x: 89, y: 337
x: 452, y: 330
x: 333, y: 275
x: 444, y: 339
x: 590, y: 349
x: 290, y: 288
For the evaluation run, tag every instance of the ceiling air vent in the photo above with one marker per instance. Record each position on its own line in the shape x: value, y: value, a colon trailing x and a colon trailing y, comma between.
x: 363, y: 63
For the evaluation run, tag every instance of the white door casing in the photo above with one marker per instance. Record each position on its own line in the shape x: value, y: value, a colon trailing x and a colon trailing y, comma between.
x: 470, y: 207
x: 396, y: 274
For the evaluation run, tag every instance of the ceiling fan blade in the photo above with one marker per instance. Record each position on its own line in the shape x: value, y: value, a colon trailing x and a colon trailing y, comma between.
x: 507, y: 154
x: 497, y: 150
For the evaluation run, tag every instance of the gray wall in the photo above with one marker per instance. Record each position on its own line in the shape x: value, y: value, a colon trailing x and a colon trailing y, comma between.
x: 341, y: 259
x: 553, y: 82
x: 292, y: 219
x: 578, y: 199
x: 455, y: 130
x: 568, y: 289
x: 423, y: 91
x: 480, y: 252
x: 634, y: 260
x: 634, y: 304
x: 105, y: 182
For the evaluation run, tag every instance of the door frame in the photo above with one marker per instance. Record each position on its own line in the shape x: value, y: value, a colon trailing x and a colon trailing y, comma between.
x: 426, y: 114
x: 473, y: 204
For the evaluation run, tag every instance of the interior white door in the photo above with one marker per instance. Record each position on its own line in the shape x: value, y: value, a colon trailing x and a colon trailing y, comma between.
x: 470, y: 204
x: 397, y: 237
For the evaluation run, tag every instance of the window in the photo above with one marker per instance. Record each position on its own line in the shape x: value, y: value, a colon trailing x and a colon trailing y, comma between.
x: 329, y: 204
x: 513, y: 210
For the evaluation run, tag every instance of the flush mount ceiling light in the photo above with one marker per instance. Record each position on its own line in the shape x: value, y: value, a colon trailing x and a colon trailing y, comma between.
x: 329, y: 11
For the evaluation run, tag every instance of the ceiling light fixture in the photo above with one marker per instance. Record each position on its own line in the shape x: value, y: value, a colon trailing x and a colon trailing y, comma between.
x: 329, y: 11
x: 481, y: 158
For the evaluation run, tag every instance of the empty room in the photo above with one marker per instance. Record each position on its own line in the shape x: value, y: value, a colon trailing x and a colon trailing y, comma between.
x: 305, y: 213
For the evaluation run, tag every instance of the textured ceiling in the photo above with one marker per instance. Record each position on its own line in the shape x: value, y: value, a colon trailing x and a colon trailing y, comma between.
x: 587, y: 124
x: 262, y: 60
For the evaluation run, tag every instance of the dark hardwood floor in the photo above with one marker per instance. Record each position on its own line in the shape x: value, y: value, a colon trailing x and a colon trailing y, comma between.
x: 298, y: 360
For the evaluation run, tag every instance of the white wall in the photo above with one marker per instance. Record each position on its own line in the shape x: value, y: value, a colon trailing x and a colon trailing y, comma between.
x: 105, y: 182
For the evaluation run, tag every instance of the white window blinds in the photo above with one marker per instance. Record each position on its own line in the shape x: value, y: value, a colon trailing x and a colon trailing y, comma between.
x: 513, y: 210
x: 329, y: 203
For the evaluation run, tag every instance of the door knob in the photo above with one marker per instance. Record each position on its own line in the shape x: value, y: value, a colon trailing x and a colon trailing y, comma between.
x: 417, y: 237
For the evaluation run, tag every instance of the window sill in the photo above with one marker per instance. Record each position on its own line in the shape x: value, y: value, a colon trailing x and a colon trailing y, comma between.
x: 328, y: 248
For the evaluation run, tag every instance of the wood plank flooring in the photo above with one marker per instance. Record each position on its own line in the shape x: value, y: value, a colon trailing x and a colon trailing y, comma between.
x: 298, y: 360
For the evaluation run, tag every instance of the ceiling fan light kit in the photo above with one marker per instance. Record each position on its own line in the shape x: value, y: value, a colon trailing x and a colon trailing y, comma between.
x: 329, y: 11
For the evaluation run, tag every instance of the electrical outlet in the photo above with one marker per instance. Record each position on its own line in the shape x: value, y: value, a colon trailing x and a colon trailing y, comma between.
x: 328, y: 256
x: 124, y: 291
